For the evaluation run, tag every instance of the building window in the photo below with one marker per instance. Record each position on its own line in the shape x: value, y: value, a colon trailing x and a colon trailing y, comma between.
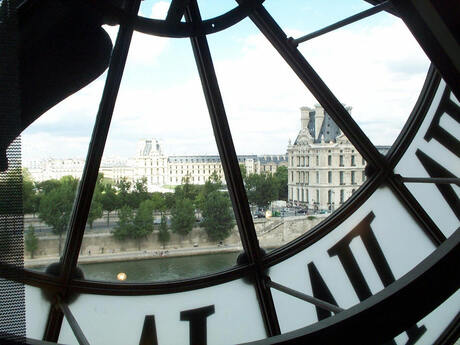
x: 302, y: 194
x: 307, y: 198
x: 341, y: 178
x: 292, y: 176
x: 308, y: 161
x: 329, y: 196
x: 317, y: 160
x: 363, y: 176
x: 308, y: 178
x: 317, y: 177
x: 329, y: 177
x: 317, y: 196
x: 353, y: 163
x: 329, y: 160
x: 341, y: 160
x: 353, y: 178
x: 342, y: 196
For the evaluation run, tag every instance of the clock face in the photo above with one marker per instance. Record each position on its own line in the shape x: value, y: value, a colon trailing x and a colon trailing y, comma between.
x: 248, y: 225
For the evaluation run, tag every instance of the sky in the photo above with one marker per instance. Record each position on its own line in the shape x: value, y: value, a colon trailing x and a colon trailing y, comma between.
x: 375, y: 66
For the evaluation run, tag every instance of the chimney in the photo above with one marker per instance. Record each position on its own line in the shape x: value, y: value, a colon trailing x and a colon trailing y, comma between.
x: 319, y: 118
x: 304, y: 117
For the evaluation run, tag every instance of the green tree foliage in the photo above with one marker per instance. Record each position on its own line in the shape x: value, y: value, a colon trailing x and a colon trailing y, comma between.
x: 163, y: 234
x: 183, y: 217
x: 123, y: 187
x: 186, y: 190
x: 212, y: 184
x: 170, y: 200
x: 109, y: 200
x: 217, y: 214
x: 95, y: 210
x: 29, y: 194
x: 125, y: 225
x: 139, y: 192
x: 158, y: 200
x: 261, y: 189
x: 56, y: 205
x: 31, y: 241
x: 137, y: 225
x: 281, y: 180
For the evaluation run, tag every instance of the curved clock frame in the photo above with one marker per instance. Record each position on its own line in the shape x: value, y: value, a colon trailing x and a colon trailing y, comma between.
x: 406, y: 293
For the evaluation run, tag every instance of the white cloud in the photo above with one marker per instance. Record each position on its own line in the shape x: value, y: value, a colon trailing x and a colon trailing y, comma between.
x: 377, y: 71
x: 160, y: 9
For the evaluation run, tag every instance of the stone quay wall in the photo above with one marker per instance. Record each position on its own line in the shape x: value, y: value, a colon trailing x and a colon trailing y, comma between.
x: 272, y: 233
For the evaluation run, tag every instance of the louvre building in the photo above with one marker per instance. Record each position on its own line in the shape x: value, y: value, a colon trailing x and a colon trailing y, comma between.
x: 324, y: 168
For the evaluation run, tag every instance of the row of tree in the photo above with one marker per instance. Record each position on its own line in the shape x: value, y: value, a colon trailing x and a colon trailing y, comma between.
x: 52, y: 200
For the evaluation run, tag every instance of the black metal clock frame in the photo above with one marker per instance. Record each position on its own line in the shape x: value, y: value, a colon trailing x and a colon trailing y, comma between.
x: 380, y: 172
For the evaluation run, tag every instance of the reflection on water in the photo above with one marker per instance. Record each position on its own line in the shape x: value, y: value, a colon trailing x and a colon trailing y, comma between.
x: 160, y: 269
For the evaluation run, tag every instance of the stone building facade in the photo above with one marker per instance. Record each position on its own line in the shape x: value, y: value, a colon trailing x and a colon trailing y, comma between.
x: 324, y: 167
x: 161, y: 171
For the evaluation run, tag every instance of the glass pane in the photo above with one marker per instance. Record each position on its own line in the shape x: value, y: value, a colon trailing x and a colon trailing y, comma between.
x: 37, y: 309
x: 158, y: 9
x: 297, y: 165
x: 54, y: 149
x: 375, y: 67
x: 120, y: 319
x: 329, y: 269
x: 298, y: 18
x: 161, y: 196
x: 432, y: 154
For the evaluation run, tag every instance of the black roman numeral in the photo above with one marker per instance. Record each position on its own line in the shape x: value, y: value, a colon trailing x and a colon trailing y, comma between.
x: 343, y: 251
x: 435, y: 131
x: 149, y: 331
x: 197, y: 318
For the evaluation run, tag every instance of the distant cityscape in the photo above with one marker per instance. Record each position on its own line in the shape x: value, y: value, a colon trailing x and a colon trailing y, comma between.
x: 324, y: 168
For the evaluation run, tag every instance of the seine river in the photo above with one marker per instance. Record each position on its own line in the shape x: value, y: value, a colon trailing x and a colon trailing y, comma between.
x: 161, y: 269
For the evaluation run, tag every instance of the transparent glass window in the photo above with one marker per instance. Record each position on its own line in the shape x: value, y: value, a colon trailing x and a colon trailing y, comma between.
x: 154, y: 215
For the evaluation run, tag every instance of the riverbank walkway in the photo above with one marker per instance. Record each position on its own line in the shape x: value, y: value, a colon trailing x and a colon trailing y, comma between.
x: 138, y: 255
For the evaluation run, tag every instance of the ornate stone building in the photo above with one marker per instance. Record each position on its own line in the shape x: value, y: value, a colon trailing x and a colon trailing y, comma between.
x: 161, y: 171
x: 324, y: 167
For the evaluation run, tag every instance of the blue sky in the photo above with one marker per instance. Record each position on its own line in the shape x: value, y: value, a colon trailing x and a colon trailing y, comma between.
x: 375, y: 66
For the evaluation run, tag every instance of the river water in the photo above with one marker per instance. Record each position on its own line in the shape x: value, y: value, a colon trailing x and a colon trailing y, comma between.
x: 160, y: 269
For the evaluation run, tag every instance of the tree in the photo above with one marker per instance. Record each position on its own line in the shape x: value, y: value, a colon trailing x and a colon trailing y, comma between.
x: 281, y: 179
x: 56, y: 206
x: 31, y: 241
x: 139, y: 192
x: 95, y: 212
x: 125, y: 223
x: 261, y: 189
x: 163, y: 234
x: 134, y: 226
x: 170, y: 200
x: 158, y: 201
x: 109, y: 200
x: 212, y: 184
x: 186, y: 190
x: 123, y: 186
x: 29, y: 193
x: 217, y: 214
x: 183, y: 217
